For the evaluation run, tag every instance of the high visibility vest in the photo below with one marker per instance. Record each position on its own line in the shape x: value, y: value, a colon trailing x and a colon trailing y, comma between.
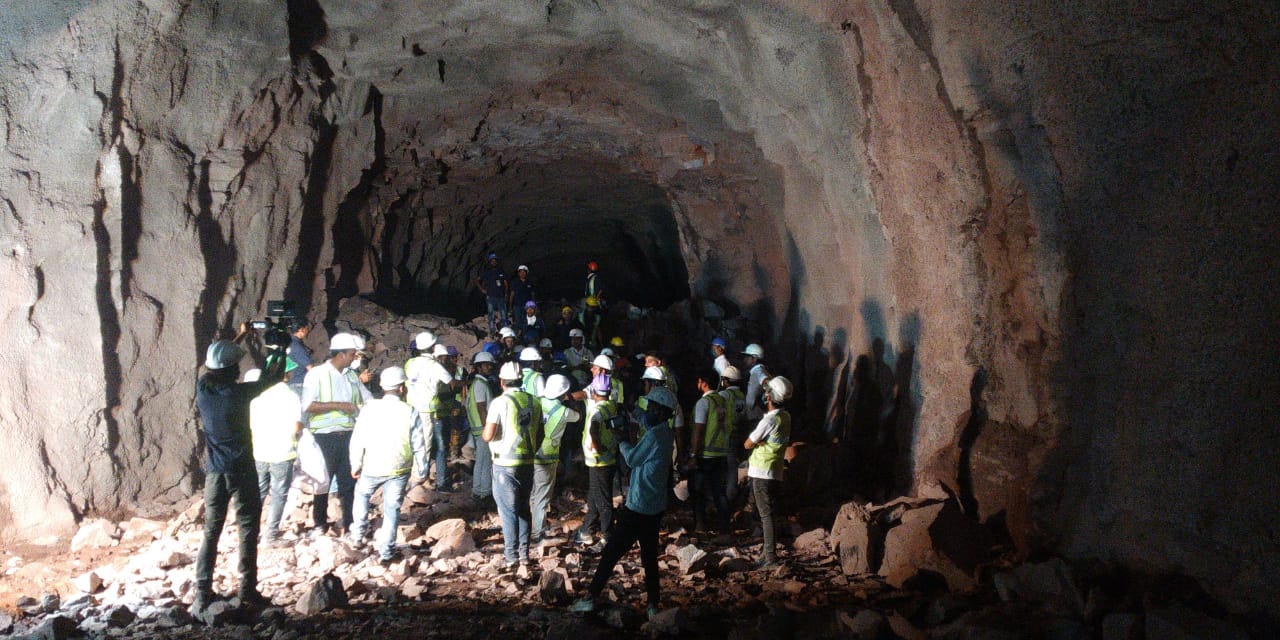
x: 384, y: 430
x: 616, y: 395
x: 549, y: 450
x: 769, y: 456
x: 474, y: 419
x: 715, y: 438
x: 521, y: 431
x: 606, y: 452
x: 329, y: 419
x: 529, y: 382
x: 735, y: 407
x: 591, y: 288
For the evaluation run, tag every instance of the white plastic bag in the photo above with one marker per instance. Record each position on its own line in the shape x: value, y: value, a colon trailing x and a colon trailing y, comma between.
x: 312, y: 473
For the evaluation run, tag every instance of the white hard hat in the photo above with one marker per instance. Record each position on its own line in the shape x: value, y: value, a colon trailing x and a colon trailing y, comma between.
x: 424, y: 341
x: 754, y: 350
x: 603, y: 362
x: 440, y: 350
x: 345, y: 341
x: 731, y: 373
x: 575, y: 333
x: 556, y: 386
x: 391, y: 377
x: 522, y: 268
x: 662, y: 396
x: 545, y: 343
x: 509, y: 371
x: 253, y: 375
x: 654, y: 373
x: 529, y: 354
x: 779, y: 388
x: 222, y: 354
x: 483, y: 356
x: 507, y: 332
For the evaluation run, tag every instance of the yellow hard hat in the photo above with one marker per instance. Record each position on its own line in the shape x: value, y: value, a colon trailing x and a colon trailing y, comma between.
x: 617, y: 341
x: 592, y: 302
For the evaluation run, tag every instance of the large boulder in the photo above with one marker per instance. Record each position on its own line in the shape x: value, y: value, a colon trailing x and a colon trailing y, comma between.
x: 937, y: 538
x: 449, y: 539
x: 324, y: 594
x: 856, y: 539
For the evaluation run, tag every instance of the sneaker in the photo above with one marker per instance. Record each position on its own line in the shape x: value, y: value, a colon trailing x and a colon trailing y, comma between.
x: 354, y: 539
x: 202, y: 601
x: 252, y: 598
x: 583, y: 605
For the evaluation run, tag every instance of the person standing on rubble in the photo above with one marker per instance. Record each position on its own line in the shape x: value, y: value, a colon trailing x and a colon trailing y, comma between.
x: 768, y: 445
x: 482, y: 392
x: 332, y: 394
x: 756, y: 374
x: 593, y: 304
x: 432, y: 390
x: 275, y: 417
x: 709, y: 448
x: 492, y: 282
x: 641, y: 515
x: 520, y: 292
x: 600, y: 453
x: 513, y: 430
x: 230, y: 472
x: 386, y: 445
x: 556, y: 417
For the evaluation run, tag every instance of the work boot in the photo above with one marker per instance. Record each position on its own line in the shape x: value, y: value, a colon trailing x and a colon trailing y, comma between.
x: 202, y: 600
x: 252, y: 598
x: 768, y: 562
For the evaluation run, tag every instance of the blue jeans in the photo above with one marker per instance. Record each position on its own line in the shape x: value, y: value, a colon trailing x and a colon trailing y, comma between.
x: 392, y: 495
x: 482, y: 473
x: 512, y: 487
x: 440, y: 443
x: 496, y: 307
x: 274, y: 477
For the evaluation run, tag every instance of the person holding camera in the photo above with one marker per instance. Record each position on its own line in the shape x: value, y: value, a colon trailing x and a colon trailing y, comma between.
x: 641, y: 515
x: 332, y: 394
x: 230, y: 472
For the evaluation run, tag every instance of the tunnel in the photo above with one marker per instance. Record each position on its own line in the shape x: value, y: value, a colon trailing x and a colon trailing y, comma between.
x: 1041, y: 231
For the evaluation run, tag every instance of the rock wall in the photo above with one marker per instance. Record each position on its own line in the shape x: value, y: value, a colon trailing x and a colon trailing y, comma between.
x: 1047, y: 226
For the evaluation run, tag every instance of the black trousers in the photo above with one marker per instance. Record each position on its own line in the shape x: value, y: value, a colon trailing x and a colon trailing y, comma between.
x: 599, y: 499
x: 336, y: 448
x: 766, y: 495
x: 709, y: 486
x: 219, y: 489
x: 631, y: 528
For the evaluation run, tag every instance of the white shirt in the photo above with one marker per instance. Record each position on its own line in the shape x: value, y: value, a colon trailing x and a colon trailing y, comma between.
x: 575, y: 357
x: 425, y: 374
x: 343, y: 386
x: 273, y: 418
x: 755, y: 380
x: 768, y: 426
x: 721, y: 362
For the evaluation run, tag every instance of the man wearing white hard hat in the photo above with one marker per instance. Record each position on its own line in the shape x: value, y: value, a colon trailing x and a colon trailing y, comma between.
x: 577, y: 354
x: 430, y: 383
x: 756, y: 374
x: 332, y: 395
x: 275, y: 417
x: 556, y: 416
x: 768, y: 445
x: 735, y: 402
x: 229, y: 466
x: 388, y: 443
x: 513, y: 430
x: 484, y: 385
x: 508, y: 351
x: 520, y: 292
x: 531, y: 379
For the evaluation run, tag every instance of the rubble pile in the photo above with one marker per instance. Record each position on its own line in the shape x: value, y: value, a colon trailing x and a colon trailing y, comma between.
x: 912, y: 568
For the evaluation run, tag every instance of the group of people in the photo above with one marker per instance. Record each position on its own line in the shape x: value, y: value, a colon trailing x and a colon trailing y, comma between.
x: 511, y: 305
x: 527, y: 412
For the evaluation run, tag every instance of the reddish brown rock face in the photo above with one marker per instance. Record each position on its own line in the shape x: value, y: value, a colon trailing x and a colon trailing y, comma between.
x: 1074, y: 201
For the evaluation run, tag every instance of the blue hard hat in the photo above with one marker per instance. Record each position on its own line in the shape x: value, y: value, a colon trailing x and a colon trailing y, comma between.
x: 492, y: 256
x: 719, y: 342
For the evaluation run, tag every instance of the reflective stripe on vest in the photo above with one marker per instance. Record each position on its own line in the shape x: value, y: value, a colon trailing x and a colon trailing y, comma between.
x: 474, y: 419
x: 606, y: 452
x: 715, y: 437
x: 331, y: 419
x: 769, y: 456
x: 529, y: 382
x: 522, y: 430
x: 553, y: 430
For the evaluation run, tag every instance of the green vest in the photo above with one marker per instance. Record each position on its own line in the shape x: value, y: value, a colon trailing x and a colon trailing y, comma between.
x: 474, y: 419
x: 769, y: 456
x: 330, y: 419
x: 549, y: 451
x: 735, y: 407
x: 529, y: 382
x: 521, y: 432
x: 606, y: 452
x: 715, y: 438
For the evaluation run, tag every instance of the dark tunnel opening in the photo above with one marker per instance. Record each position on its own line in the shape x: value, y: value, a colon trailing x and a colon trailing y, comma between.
x: 553, y: 218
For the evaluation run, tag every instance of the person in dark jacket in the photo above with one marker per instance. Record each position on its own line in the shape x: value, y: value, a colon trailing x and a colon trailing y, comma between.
x: 229, y: 466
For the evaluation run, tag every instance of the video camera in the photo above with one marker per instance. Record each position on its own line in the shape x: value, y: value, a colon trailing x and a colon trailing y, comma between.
x: 277, y: 327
